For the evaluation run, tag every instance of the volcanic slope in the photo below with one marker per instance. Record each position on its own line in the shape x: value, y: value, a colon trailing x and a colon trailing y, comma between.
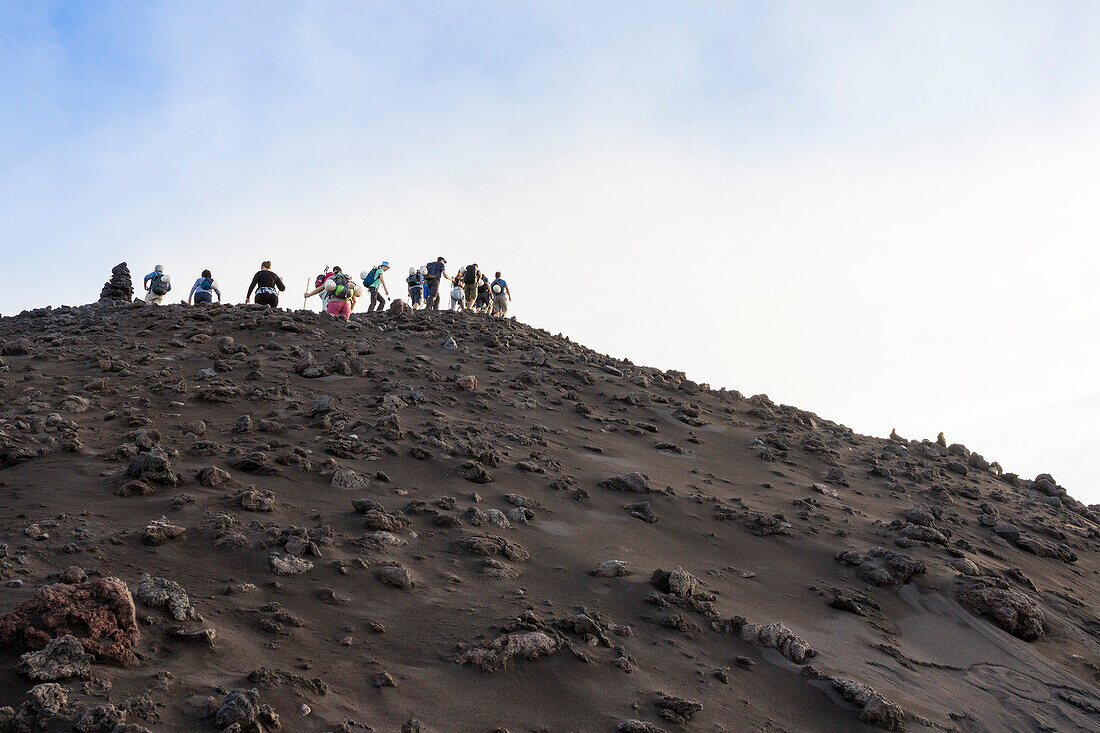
x: 231, y: 517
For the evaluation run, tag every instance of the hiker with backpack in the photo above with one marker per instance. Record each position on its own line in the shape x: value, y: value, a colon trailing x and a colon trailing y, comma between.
x: 502, y: 296
x: 156, y: 285
x: 372, y: 280
x: 415, y: 281
x: 341, y: 291
x: 470, y: 279
x: 484, y: 302
x: 267, y: 286
x: 458, y: 297
x: 202, y: 292
x: 437, y: 271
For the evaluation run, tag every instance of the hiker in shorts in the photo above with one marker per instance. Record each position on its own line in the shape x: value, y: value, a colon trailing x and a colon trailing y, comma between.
x: 373, y: 280
x: 484, y: 301
x: 204, y: 289
x: 502, y: 296
x: 470, y: 279
x: 156, y: 285
x: 341, y: 296
x: 415, y: 281
x: 437, y: 271
x: 267, y: 286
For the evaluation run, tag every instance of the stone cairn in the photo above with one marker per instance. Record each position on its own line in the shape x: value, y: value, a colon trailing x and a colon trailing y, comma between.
x: 120, y: 287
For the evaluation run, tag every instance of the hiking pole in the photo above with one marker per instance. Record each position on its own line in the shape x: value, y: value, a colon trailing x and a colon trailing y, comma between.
x: 308, y: 280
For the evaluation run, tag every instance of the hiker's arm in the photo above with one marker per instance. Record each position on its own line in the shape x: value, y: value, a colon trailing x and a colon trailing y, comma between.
x: 310, y: 295
x: 279, y: 283
x: 193, y: 289
x: 382, y: 279
x: 255, y: 282
x: 509, y: 291
x: 219, y: 294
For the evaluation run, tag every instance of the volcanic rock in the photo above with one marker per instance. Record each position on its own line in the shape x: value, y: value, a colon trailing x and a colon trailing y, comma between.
x: 99, y: 614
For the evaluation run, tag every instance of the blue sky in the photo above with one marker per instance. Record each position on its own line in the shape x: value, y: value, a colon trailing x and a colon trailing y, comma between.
x: 883, y: 212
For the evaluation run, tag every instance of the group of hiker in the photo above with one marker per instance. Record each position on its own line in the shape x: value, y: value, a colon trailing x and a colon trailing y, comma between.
x: 471, y: 289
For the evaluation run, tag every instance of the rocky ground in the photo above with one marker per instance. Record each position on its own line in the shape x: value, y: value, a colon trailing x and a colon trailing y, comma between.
x: 239, y: 519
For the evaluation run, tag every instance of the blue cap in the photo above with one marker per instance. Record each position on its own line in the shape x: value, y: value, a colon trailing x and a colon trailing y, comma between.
x: 385, y: 264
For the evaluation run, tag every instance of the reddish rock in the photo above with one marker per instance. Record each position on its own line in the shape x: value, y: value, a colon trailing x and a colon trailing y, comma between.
x: 468, y: 383
x: 100, y: 614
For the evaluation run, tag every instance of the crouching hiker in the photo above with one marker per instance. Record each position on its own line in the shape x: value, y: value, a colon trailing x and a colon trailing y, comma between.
x: 157, y: 285
x: 204, y: 289
x: 341, y: 293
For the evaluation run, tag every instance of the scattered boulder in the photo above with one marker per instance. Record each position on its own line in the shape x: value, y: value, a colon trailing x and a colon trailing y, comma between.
x: 881, y: 567
x: 242, y: 710
x: 160, y: 532
x: 100, y: 614
x: 61, y: 659
x: 17, y: 449
x: 153, y: 466
x: 285, y: 564
x: 475, y: 472
x: 778, y: 636
x: 256, y: 500
x: 380, y: 519
x: 168, y: 594
x: 631, y: 482
x: 212, y: 476
x: 72, y: 575
x: 396, y: 576
x: 677, y: 709
x: 610, y: 569
x: 643, y: 511
x: 44, y: 709
x: 487, y: 545
x: 527, y: 636
x: 134, y: 488
x: 875, y: 709
x: 347, y: 479
x: 1014, y: 611
x: 401, y: 308
x: 638, y: 726
x: 763, y: 525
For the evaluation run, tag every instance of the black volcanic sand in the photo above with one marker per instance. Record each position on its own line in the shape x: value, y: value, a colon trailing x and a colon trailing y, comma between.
x: 977, y: 612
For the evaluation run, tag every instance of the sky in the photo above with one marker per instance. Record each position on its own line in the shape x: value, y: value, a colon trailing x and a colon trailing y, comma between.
x: 882, y: 212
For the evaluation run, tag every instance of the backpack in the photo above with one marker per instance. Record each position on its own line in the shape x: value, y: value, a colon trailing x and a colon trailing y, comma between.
x: 413, y: 280
x: 343, y: 289
x: 471, y: 275
x: 371, y: 279
x: 158, y: 286
x: 320, y: 280
x: 207, y: 284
